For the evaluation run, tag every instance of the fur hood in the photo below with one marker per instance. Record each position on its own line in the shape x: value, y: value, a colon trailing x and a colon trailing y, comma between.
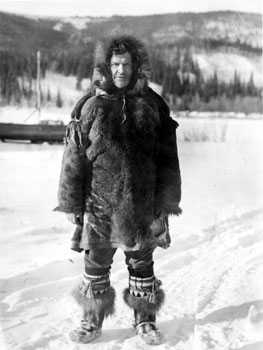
x: 102, y: 78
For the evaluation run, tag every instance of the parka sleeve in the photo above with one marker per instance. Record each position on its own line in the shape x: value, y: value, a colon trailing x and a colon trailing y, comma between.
x: 72, y: 184
x: 168, y: 175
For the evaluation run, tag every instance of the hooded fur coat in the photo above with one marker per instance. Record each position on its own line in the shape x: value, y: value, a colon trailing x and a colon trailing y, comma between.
x: 120, y: 167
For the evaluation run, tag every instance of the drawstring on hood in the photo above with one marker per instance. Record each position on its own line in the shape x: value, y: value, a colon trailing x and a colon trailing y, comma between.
x: 124, y: 110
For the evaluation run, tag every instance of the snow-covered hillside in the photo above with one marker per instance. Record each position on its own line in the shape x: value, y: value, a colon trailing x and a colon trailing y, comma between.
x: 226, y: 64
x: 66, y: 85
x: 212, y: 273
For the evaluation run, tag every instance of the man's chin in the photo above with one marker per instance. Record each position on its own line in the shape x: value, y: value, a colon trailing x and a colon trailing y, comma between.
x: 121, y: 83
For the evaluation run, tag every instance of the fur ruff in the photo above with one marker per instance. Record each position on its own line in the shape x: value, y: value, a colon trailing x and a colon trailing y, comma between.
x: 141, y: 64
x: 142, y: 305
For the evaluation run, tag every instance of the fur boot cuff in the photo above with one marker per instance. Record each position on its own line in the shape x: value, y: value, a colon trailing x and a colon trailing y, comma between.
x: 97, y: 304
x: 142, y: 304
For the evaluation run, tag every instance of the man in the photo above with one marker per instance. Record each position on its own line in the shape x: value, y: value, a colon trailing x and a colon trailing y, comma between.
x: 120, y: 179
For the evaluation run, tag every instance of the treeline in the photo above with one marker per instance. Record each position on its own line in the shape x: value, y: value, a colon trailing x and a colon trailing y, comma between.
x: 176, y: 71
x: 18, y: 75
x: 216, y: 44
x: 78, y: 63
x: 186, y: 89
x: 18, y: 71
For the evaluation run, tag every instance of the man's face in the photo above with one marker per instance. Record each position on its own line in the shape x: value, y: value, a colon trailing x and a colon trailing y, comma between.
x: 121, y: 69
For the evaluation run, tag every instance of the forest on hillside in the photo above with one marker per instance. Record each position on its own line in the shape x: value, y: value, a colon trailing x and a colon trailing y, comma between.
x: 169, y: 39
x: 183, y: 84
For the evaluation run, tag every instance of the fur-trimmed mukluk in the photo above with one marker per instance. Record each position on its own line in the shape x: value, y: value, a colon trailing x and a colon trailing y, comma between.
x: 145, y: 297
x: 97, y: 302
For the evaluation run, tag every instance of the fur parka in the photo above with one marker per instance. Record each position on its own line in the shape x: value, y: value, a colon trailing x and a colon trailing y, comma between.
x: 120, y: 167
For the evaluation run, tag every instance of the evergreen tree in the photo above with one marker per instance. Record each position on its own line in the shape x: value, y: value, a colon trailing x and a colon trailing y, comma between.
x: 214, y: 85
x: 80, y: 73
x: 251, y: 88
x: 236, y: 84
x: 59, y: 103
x: 48, y: 95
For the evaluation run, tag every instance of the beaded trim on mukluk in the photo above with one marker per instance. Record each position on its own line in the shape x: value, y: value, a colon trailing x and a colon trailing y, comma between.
x: 94, y: 285
x: 144, y: 287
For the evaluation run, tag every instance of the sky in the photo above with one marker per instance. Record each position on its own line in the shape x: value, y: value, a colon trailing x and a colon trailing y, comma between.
x: 94, y: 8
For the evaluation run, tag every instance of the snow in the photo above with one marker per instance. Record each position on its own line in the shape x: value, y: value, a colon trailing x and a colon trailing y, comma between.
x: 225, y: 64
x: 66, y: 85
x: 212, y: 273
x: 220, y: 130
x: 77, y: 22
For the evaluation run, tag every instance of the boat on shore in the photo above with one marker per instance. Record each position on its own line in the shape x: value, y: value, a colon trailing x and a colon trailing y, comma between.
x: 51, y: 131
x: 44, y: 131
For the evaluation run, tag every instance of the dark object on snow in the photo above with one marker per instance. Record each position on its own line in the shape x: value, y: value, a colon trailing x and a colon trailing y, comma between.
x: 35, y: 133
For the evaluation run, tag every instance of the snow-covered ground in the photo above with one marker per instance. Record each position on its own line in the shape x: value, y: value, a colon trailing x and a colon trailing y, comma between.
x: 212, y: 273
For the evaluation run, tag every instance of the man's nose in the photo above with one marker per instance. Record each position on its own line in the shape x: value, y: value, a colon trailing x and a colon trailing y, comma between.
x: 121, y: 68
